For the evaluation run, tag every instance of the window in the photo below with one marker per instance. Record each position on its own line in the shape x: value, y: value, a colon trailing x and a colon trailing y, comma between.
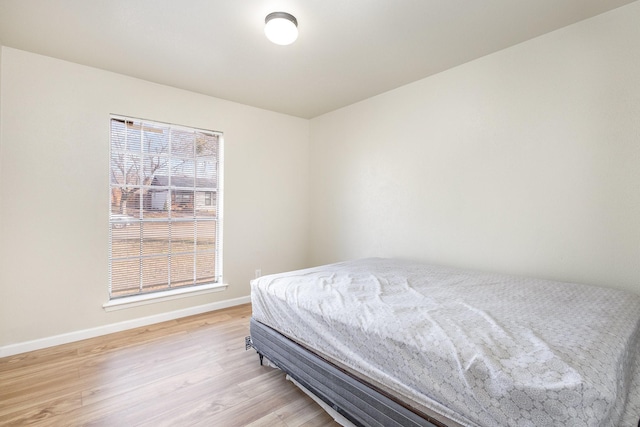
x: 165, y: 215
x: 208, y: 198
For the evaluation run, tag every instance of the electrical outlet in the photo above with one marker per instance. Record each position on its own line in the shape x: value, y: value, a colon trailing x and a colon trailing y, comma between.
x: 258, y: 272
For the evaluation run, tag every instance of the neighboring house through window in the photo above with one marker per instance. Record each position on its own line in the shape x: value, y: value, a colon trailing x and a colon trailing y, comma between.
x: 165, y: 216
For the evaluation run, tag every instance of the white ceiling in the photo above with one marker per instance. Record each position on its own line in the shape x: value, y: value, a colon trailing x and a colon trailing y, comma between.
x: 348, y: 50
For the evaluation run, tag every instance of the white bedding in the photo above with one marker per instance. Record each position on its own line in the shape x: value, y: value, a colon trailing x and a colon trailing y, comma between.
x: 481, y: 349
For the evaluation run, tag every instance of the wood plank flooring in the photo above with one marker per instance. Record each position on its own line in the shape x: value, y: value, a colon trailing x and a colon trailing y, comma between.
x: 186, y: 372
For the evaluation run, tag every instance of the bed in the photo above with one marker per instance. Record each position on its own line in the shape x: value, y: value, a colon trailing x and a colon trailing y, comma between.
x: 387, y: 342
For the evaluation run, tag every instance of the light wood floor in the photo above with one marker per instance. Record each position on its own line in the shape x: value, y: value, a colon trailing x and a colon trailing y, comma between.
x: 187, y: 372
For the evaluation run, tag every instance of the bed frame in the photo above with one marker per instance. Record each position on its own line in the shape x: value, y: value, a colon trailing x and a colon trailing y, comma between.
x: 359, y: 402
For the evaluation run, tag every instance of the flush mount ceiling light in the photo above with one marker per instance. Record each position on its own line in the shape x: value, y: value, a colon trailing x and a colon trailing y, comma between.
x: 281, y: 28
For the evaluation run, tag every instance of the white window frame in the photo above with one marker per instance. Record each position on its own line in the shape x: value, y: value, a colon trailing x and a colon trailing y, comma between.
x: 115, y: 303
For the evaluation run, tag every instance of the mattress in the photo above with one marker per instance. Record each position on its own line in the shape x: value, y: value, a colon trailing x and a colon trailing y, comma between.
x: 480, y: 349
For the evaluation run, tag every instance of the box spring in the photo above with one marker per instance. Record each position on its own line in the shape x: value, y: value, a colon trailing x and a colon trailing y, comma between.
x: 352, y: 398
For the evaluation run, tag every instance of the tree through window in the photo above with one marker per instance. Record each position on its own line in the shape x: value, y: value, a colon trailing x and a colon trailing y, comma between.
x: 165, y: 199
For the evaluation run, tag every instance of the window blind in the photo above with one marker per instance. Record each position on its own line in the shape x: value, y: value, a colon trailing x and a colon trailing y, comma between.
x: 164, y: 219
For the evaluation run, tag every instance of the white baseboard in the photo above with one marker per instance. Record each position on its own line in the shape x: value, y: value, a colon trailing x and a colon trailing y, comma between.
x: 23, y: 347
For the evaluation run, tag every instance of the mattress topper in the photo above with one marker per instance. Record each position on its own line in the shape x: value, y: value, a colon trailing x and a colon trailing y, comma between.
x: 481, y: 349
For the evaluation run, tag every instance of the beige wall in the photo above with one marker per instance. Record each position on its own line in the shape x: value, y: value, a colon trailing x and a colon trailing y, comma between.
x: 525, y: 161
x: 54, y: 186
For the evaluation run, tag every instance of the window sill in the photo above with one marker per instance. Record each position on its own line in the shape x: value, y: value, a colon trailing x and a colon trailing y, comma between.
x: 138, y: 300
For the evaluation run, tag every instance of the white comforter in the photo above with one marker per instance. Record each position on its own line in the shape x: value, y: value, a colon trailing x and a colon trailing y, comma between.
x: 481, y: 349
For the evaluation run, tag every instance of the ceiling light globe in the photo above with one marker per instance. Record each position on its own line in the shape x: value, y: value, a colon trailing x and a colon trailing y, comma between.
x: 281, y: 28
